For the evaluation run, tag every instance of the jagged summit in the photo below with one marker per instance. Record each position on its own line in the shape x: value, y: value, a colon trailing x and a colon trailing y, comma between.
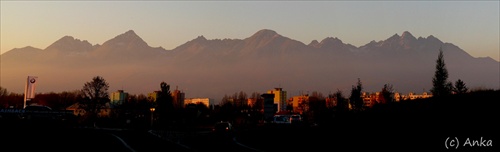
x: 267, y: 39
x: 67, y: 38
x: 28, y: 48
x: 314, y: 43
x: 434, y: 39
x: 129, y: 38
x: 200, y: 38
x: 331, y: 40
x: 64, y: 40
x: 69, y: 44
x: 130, y: 34
x: 265, y: 34
x: 407, y: 35
x: 395, y: 36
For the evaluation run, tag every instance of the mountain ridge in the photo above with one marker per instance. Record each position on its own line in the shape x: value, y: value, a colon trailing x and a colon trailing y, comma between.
x: 258, y: 40
x: 264, y: 60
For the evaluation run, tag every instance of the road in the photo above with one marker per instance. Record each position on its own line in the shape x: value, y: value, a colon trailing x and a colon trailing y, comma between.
x: 64, y: 140
x: 52, y: 138
x: 201, y: 141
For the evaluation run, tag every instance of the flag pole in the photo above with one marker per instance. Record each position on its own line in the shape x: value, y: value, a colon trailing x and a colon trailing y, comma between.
x: 26, y: 91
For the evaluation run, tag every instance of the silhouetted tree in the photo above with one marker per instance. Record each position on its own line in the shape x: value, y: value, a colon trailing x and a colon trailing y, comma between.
x: 259, y: 102
x: 256, y: 95
x: 12, y: 99
x: 190, y: 113
x: 355, y: 98
x: 68, y: 98
x: 226, y: 111
x: 242, y: 98
x: 3, y: 92
x: 47, y: 99
x: 318, y: 95
x: 3, y: 96
x: 387, y: 93
x: 95, y: 96
x: 132, y: 113
x: 57, y: 101
x: 440, y: 84
x: 225, y: 99
x: 316, y: 110
x: 342, y: 103
x: 165, y: 105
x: 460, y: 87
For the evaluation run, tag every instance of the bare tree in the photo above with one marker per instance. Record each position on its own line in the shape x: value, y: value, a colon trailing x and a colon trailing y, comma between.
x: 318, y: 95
x: 242, y: 99
x: 3, y: 92
x: 95, y: 96
x: 259, y: 102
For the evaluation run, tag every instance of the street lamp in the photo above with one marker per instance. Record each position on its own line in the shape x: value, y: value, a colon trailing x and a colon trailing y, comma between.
x: 152, y: 113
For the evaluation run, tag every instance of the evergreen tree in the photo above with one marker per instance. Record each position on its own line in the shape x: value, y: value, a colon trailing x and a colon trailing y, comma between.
x: 342, y: 103
x: 440, y: 84
x: 387, y: 93
x: 165, y: 105
x: 460, y: 87
x: 355, y: 98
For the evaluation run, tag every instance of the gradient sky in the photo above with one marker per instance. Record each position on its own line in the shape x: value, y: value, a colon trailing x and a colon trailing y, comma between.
x: 471, y: 25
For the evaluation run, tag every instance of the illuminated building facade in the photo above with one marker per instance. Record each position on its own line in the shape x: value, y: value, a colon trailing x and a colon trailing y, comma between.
x: 119, y: 97
x: 279, y: 98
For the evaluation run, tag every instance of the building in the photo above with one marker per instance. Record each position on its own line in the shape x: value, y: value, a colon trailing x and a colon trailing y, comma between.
x: 178, y: 98
x: 206, y: 101
x: 414, y: 96
x: 331, y: 102
x: 119, y: 97
x: 153, y: 96
x: 411, y: 96
x: 370, y: 99
x: 270, y: 108
x: 279, y: 98
x: 398, y: 96
x: 299, y: 103
x: 79, y: 110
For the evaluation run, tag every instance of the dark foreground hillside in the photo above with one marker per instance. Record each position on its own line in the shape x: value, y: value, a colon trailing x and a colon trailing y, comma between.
x: 425, y: 124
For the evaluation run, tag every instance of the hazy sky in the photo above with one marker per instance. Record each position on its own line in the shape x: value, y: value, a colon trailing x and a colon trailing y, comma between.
x: 471, y: 25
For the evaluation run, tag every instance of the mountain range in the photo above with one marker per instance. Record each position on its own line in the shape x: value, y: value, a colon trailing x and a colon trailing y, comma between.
x: 265, y: 60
